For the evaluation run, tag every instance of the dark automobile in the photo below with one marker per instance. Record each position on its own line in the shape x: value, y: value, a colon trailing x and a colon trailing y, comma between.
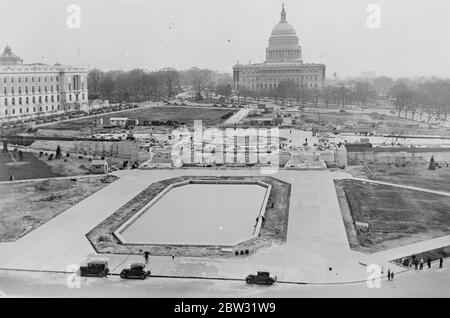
x: 136, y: 271
x: 262, y: 278
x: 95, y: 269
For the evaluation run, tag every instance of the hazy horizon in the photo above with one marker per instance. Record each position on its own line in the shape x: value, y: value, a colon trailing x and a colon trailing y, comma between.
x: 117, y: 34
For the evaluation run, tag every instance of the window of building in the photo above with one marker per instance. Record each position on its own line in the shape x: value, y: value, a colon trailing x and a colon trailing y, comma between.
x: 40, y: 99
x: 6, y: 102
x: 6, y: 112
x: 4, y: 91
x: 46, y: 99
x: 34, y: 109
x: 34, y: 100
x: 14, y: 111
x: 27, y: 100
x: 13, y: 101
x: 20, y: 100
x: 53, y: 98
x: 20, y: 110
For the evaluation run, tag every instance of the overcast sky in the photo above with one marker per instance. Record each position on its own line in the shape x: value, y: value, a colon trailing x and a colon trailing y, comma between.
x: 413, y: 40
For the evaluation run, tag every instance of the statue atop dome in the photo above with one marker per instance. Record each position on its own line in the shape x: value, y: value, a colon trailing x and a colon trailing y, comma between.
x: 283, y: 15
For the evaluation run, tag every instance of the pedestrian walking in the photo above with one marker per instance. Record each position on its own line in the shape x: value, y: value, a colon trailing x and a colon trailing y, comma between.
x: 389, y: 274
x: 146, y: 256
x: 429, y: 262
x: 421, y: 264
x: 440, y: 262
x: 392, y: 275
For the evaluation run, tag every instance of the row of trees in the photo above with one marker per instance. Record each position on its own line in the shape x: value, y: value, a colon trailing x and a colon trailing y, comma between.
x: 133, y: 86
x: 358, y: 93
x: 418, y: 98
x: 139, y: 85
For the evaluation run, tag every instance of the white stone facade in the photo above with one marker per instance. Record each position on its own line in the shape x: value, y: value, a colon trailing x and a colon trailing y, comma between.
x: 35, y: 90
x: 283, y: 62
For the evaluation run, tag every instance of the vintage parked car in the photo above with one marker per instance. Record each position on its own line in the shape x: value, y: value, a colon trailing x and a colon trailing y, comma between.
x: 95, y: 269
x: 136, y: 271
x: 262, y: 278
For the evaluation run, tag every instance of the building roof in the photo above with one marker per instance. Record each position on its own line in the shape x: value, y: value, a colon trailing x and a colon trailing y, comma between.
x: 39, y: 67
x: 11, y: 63
x: 358, y: 147
x: 278, y: 65
x: 9, y: 58
x: 98, y: 162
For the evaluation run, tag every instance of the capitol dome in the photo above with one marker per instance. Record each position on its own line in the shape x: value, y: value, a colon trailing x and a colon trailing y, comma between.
x: 283, y: 27
x: 283, y: 43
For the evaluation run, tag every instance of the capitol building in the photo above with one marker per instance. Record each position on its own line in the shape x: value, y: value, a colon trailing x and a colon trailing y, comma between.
x: 283, y: 62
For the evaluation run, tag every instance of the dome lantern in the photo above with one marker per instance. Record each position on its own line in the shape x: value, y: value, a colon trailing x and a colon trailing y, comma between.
x: 283, y: 42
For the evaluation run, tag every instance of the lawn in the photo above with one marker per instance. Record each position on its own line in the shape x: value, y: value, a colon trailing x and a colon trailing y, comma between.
x: 29, y: 168
x: 33, y: 167
x: 187, y: 115
x: 416, y: 176
x: 396, y: 216
x: 25, y: 206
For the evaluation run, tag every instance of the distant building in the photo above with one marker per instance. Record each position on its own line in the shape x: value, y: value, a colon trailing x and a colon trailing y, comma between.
x: 118, y: 122
x: 283, y: 62
x: 35, y: 90
x: 368, y: 74
x: 99, y: 167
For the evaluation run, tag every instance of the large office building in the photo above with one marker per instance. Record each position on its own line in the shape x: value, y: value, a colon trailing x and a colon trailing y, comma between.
x: 283, y: 62
x: 35, y: 90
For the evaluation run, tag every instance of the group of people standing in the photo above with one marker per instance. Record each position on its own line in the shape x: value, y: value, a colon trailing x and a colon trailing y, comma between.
x: 419, y: 264
x: 414, y: 261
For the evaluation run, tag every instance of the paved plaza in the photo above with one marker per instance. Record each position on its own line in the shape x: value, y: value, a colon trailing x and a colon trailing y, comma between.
x: 316, y: 251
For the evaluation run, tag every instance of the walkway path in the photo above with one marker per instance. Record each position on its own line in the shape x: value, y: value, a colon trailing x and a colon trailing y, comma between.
x: 237, y: 117
x: 401, y: 186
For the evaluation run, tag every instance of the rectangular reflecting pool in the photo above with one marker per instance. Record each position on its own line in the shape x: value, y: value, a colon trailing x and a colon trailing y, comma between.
x: 199, y: 214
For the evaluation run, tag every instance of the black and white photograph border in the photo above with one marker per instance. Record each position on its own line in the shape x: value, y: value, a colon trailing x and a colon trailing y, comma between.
x: 253, y: 149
